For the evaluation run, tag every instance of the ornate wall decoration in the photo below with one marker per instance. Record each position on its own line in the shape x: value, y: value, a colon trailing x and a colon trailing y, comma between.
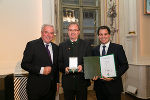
x: 112, y: 15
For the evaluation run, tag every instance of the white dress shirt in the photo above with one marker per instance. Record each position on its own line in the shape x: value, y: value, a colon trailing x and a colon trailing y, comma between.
x: 106, y: 48
x: 51, y: 52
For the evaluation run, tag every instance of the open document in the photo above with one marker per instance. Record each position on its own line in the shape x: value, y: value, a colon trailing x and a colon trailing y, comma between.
x: 91, y: 67
x: 99, y: 66
x: 107, y: 65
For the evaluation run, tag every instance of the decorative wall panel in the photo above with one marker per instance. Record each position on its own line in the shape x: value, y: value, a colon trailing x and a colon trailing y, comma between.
x: 20, y: 87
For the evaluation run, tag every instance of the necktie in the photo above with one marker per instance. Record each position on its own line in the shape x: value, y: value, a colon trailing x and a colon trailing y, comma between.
x: 49, y: 54
x: 103, y: 51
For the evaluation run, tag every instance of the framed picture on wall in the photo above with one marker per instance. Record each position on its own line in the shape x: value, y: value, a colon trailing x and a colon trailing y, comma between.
x: 146, y: 6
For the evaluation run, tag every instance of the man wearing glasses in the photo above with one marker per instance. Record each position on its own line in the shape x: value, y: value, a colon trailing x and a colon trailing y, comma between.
x: 73, y: 82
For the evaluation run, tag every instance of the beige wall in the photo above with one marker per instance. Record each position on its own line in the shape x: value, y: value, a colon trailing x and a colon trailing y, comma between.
x: 144, y: 32
x: 136, y: 45
x: 20, y: 21
x: 143, y: 29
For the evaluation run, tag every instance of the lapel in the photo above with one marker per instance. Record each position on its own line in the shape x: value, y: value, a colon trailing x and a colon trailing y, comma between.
x: 97, y: 51
x: 68, y: 48
x: 80, y: 47
x: 110, y: 49
x: 43, y: 49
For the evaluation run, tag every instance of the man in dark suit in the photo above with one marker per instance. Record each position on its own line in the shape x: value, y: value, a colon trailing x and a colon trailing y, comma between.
x: 74, y: 84
x: 40, y: 60
x: 110, y: 88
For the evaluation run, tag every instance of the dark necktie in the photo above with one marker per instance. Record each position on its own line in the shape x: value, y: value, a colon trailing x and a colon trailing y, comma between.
x: 49, y: 54
x: 103, y: 51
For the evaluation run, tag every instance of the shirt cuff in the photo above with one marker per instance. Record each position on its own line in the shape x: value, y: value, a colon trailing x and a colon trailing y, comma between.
x: 42, y: 69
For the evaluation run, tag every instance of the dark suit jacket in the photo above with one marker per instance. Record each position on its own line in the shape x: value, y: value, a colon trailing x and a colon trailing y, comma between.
x: 35, y: 57
x: 76, y: 80
x: 115, y: 86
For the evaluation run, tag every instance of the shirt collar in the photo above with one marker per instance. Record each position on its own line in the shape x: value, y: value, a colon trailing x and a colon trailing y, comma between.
x: 47, y: 44
x: 74, y: 41
x: 107, y: 44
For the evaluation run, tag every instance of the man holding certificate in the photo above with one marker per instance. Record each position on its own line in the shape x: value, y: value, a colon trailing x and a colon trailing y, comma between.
x: 109, y: 88
x: 71, y: 53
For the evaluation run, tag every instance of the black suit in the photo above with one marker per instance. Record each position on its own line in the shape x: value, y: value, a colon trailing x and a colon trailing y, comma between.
x: 74, y: 83
x: 39, y: 86
x: 112, y: 89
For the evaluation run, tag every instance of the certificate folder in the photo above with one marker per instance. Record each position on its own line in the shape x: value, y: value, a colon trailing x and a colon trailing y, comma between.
x: 91, y: 67
x: 99, y: 66
x: 107, y: 65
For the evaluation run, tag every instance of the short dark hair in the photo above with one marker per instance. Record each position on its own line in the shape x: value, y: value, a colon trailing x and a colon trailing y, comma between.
x: 74, y: 23
x: 103, y: 27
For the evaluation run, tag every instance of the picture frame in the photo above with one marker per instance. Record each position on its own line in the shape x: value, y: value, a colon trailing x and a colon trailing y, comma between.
x: 147, y: 7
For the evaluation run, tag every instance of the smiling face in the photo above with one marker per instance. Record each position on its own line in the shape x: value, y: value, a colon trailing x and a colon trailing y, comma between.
x: 47, y: 34
x: 73, y: 32
x: 104, y: 36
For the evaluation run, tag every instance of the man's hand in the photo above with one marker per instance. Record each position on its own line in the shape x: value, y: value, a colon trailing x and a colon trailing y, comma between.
x: 107, y: 79
x: 67, y: 70
x: 57, y: 92
x: 58, y: 87
x: 95, y: 78
x: 47, y: 70
x: 79, y: 68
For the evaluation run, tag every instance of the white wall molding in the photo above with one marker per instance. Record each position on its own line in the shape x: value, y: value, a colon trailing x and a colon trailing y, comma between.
x: 48, y: 12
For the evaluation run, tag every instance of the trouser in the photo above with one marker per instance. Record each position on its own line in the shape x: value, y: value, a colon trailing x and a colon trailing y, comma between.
x: 104, y: 95
x: 78, y: 94
x: 49, y: 94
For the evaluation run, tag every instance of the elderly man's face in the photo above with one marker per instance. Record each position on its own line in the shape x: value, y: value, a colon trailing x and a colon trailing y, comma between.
x: 47, y: 34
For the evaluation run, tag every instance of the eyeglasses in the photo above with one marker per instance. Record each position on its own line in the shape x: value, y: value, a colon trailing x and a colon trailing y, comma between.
x: 73, y: 30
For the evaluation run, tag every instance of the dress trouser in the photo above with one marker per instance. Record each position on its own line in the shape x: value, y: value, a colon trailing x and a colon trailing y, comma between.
x: 78, y: 94
x: 103, y: 94
x: 46, y: 95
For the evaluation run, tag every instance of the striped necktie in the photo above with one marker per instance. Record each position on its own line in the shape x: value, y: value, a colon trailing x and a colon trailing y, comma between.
x: 103, y: 51
x: 49, y: 54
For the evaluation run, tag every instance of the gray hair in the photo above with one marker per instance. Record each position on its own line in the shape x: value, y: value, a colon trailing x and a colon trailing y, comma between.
x: 44, y: 25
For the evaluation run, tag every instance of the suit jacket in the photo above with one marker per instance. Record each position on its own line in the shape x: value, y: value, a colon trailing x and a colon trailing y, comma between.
x: 115, y: 86
x: 73, y: 80
x: 35, y: 57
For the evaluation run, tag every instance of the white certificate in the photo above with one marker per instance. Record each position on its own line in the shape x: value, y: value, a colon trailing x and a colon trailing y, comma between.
x: 107, y: 64
x: 73, y: 62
